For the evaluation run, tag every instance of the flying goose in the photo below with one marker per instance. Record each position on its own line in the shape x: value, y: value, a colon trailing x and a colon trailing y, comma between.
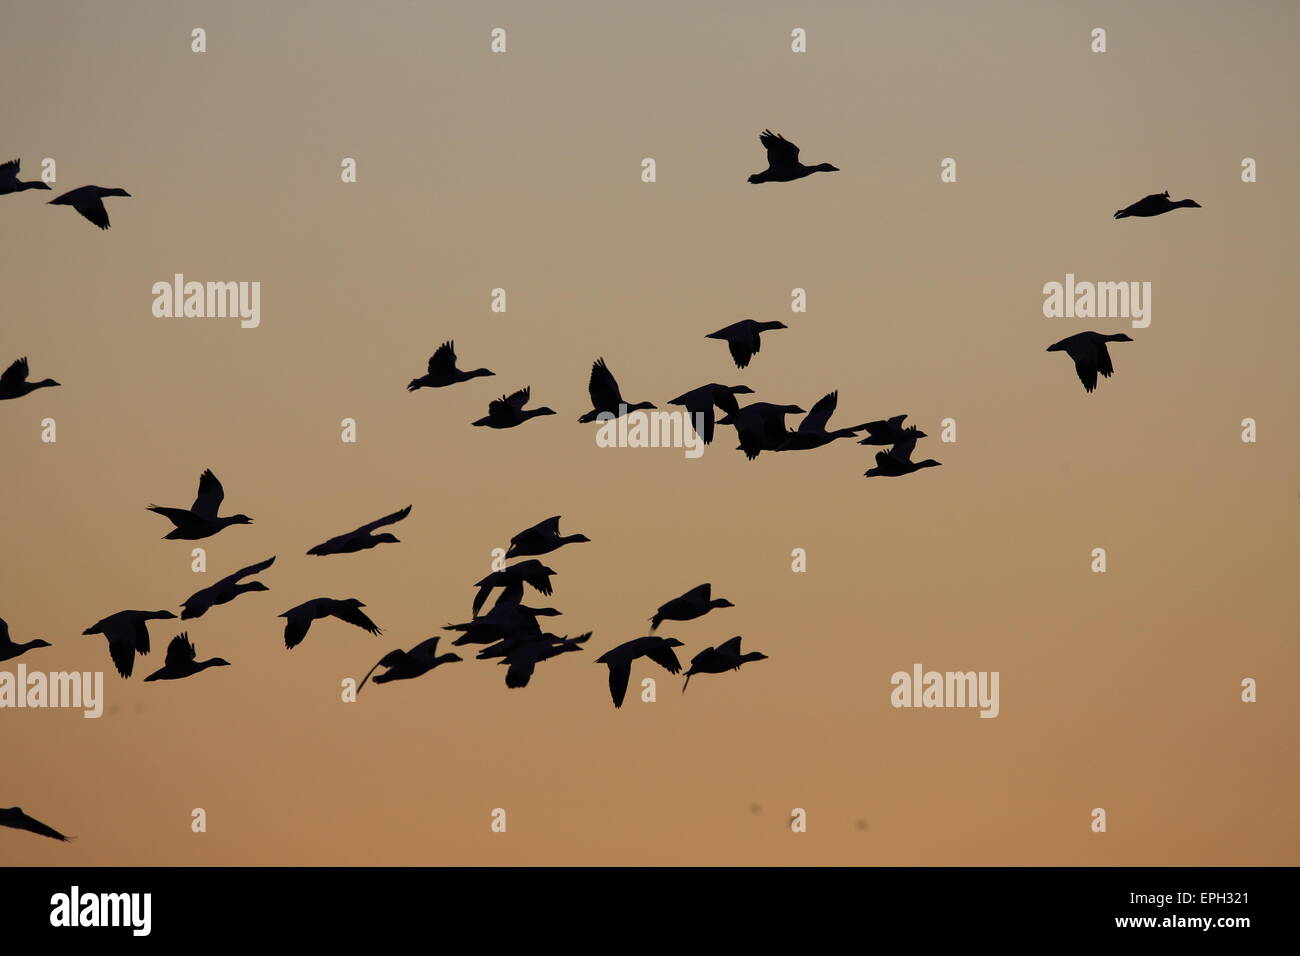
x: 361, y: 538
x: 181, y: 661
x: 761, y: 426
x: 1088, y: 350
x: 694, y: 603
x: 224, y: 591
x: 88, y: 200
x: 128, y: 635
x: 201, y: 520
x: 619, y: 661
x: 542, y: 538
x: 14, y: 384
x: 531, y: 572
x: 443, y: 371
x: 407, y: 665
x: 606, y: 399
x: 299, y: 619
x: 508, y: 411
x: 718, y: 660
x: 812, y: 431
x: 742, y: 338
x: 783, y: 164
x: 9, y: 648
x: 1155, y: 205
x: 699, y: 404
x: 9, y: 182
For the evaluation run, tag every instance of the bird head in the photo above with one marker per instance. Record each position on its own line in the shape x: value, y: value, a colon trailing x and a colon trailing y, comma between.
x: 741, y: 390
x: 256, y: 586
x: 46, y: 383
x: 1120, y: 337
x: 240, y: 519
x: 826, y: 168
x: 117, y: 192
x: 640, y: 405
x: 39, y: 643
x: 756, y: 178
x: 722, y: 602
x: 218, y: 662
x: 673, y: 642
x: 386, y: 538
x: 544, y: 410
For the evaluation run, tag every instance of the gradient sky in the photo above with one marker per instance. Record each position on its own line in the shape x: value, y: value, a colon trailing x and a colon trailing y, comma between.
x: 476, y: 171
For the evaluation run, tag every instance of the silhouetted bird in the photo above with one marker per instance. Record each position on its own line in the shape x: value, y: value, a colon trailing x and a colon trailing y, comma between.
x: 201, y: 520
x: 1154, y: 205
x: 542, y: 538
x: 699, y: 404
x: 9, y: 648
x: 128, y: 635
x: 1088, y: 349
x: 405, y: 665
x: 606, y: 399
x: 718, y: 660
x: 15, y: 818
x: 525, y: 656
x: 783, y: 161
x: 812, y: 431
x: 224, y: 591
x: 742, y: 338
x: 14, y: 384
x: 761, y: 426
x: 348, y: 610
x: 443, y: 370
x: 531, y: 572
x: 619, y: 660
x: 361, y: 538
x: 694, y: 603
x: 508, y: 410
x: 180, y: 661
x: 504, y: 621
x: 887, y: 432
x: 88, y: 200
x: 10, y: 183
x: 898, y: 460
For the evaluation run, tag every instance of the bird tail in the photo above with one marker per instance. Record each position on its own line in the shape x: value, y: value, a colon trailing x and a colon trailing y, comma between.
x: 688, y: 682
x: 413, y: 385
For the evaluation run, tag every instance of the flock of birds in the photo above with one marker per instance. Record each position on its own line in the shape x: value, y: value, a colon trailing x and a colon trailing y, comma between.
x: 509, y: 632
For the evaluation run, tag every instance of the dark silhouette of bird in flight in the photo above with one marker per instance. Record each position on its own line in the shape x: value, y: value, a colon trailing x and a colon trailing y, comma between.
x: 718, y: 660
x: 361, y: 538
x: 201, y: 520
x: 299, y: 619
x: 742, y: 338
x: 15, y: 818
x: 542, y: 538
x: 89, y: 201
x: 1155, y: 205
x: 619, y: 660
x: 443, y: 370
x: 9, y: 648
x: 761, y: 426
x: 10, y: 183
x: 508, y: 410
x: 506, y: 621
x: 783, y: 164
x: 898, y: 460
x: 224, y: 591
x: 1088, y: 349
x: 181, y: 661
x: 694, y: 603
x: 699, y: 404
x: 405, y: 665
x: 14, y: 384
x: 812, y: 431
x: 524, y: 656
x: 128, y: 635
x: 890, y: 431
x: 606, y: 399
x: 531, y: 572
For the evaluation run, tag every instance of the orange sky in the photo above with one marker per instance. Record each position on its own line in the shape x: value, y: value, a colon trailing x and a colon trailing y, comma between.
x: 522, y: 171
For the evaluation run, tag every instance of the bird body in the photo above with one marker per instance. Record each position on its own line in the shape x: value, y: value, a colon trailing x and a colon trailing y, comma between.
x: 224, y: 591
x: 299, y: 619
x: 9, y: 182
x: 699, y: 403
x: 718, y: 660
x: 14, y: 383
x: 89, y: 201
x: 523, y: 657
x: 362, y: 538
x: 761, y: 426
x: 783, y: 164
x: 201, y: 519
x: 542, y: 538
x: 898, y: 460
x: 531, y: 572
x: 506, y: 621
x: 508, y: 411
x: 1154, y: 205
x: 743, y: 340
x: 890, y: 431
x: 606, y: 398
x: 181, y: 661
x: 407, y: 665
x: 128, y: 635
x: 442, y: 370
x: 619, y: 661
x: 1088, y: 350
x: 9, y: 648
x: 694, y: 603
